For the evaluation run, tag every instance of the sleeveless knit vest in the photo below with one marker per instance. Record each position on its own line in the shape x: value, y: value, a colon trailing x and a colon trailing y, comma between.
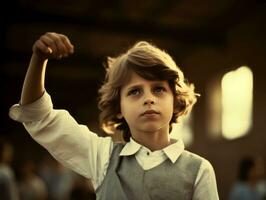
x: 126, y: 180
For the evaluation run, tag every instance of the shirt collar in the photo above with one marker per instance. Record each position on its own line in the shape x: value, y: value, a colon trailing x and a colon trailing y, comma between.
x: 172, y: 151
x: 130, y: 148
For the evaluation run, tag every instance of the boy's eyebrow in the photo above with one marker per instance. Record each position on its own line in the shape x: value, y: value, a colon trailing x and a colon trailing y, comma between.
x: 140, y: 85
x: 133, y: 86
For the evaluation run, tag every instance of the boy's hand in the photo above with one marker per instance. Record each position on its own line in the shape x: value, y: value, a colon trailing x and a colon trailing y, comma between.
x: 52, y: 45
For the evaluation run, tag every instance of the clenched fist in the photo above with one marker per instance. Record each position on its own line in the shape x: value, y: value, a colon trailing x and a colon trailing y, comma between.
x: 53, y: 45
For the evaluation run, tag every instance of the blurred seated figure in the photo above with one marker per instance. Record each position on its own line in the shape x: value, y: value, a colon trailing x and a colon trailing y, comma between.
x: 58, y: 179
x: 261, y: 185
x: 31, y: 186
x: 250, y: 173
x: 8, y: 188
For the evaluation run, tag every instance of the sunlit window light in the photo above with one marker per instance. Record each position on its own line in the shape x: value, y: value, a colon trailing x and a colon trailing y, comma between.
x: 237, y: 97
x: 182, y: 130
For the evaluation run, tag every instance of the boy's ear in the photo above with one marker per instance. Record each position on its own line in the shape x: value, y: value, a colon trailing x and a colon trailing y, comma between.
x: 119, y: 116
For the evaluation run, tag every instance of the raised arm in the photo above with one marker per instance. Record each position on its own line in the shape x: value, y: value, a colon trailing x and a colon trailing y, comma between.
x: 49, y: 45
x: 71, y: 143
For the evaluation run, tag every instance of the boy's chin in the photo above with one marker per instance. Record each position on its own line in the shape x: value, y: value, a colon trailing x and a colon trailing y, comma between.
x: 150, y: 129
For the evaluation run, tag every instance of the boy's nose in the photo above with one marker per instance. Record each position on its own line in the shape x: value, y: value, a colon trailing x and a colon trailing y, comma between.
x: 148, y: 102
x: 148, y: 98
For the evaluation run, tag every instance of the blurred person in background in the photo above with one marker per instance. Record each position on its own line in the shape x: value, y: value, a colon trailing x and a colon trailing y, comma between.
x: 8, y: 187
x: 58, y: 179
x: 261, y: 185
x: 248, y: 185
x: 31, y: 186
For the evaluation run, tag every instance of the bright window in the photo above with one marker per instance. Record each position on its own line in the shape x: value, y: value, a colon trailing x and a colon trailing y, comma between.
x: 237, y: 100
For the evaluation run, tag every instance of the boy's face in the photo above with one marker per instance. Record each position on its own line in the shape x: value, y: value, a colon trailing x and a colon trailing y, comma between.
x: 147, y: 106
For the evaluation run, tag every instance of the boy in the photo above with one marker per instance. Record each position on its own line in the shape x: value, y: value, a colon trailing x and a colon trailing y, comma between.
x: 143, y: 94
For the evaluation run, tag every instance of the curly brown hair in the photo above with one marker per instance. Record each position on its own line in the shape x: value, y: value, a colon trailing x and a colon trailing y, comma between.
x: 150, y: 63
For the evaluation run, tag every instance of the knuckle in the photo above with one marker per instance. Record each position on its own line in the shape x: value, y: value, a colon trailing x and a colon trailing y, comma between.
x: 49, y: 33
x: 57, y: 39
x: 42, y: 37
x: 64, y: 38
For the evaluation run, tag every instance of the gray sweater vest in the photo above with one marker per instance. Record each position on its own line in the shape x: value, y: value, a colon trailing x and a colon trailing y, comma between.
x: 125, y: 178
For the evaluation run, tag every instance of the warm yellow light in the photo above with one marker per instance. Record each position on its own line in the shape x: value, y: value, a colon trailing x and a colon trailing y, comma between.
x: 237, y: 97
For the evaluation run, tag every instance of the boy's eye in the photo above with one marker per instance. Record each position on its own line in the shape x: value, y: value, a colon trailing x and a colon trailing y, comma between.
x: 159, y: 89
x: 134, y: 92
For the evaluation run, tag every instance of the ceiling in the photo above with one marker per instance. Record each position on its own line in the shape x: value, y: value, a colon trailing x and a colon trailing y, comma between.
x: 180, y: 14
x: 182, y: 18
x: 100, y: 27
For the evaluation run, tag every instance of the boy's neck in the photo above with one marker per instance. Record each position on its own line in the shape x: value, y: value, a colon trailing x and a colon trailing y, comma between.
x: 153, y: 141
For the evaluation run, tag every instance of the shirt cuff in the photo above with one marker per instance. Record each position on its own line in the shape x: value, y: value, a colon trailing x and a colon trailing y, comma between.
x: 34, y: 111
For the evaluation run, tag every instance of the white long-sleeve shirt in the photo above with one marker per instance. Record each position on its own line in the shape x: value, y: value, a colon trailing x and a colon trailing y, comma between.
x: 83, y: 151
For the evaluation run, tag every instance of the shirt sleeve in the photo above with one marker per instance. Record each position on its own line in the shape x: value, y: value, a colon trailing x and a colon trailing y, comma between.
x: 72, y: 144
x: 205, y: 187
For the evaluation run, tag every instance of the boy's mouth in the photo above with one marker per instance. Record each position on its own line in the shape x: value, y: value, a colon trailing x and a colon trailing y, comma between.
x: 149, y: 112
